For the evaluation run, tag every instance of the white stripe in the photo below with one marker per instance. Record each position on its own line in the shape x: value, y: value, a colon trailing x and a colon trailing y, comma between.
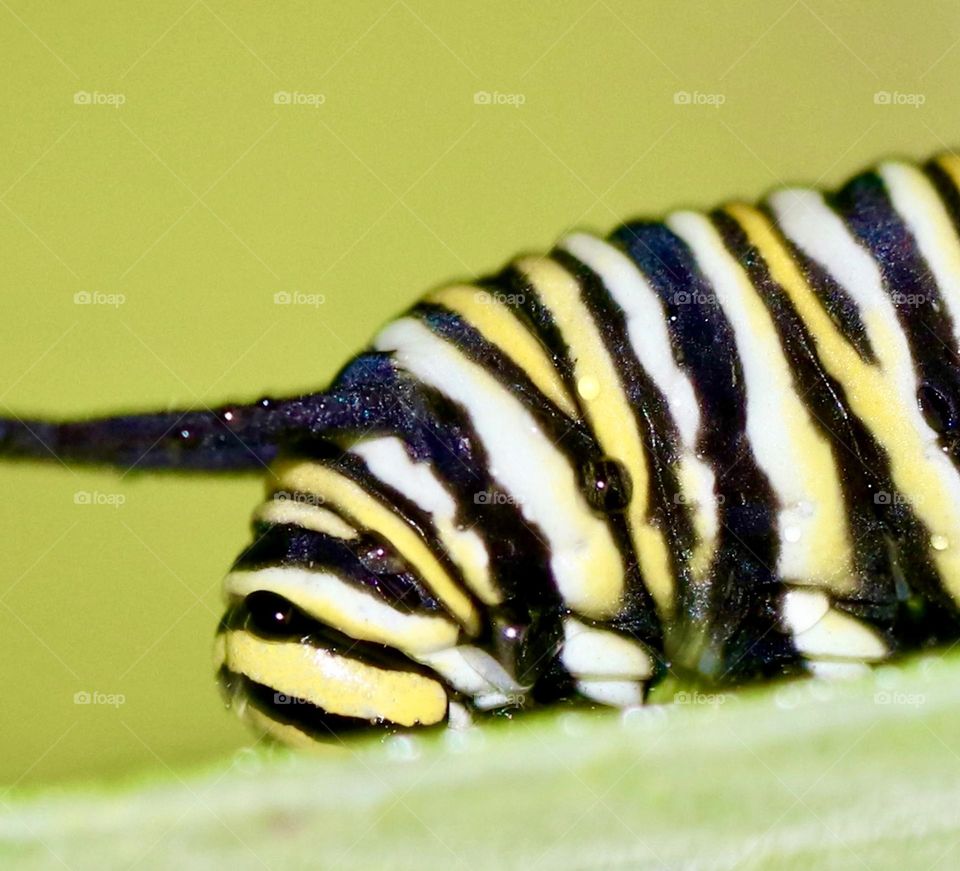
x: 916, y: 201
x: 472, y: 671
x: 615, y: 693
x: 586, y: 564
x: 589, y: 652
x: 389, y: 461
x: 832, y: 635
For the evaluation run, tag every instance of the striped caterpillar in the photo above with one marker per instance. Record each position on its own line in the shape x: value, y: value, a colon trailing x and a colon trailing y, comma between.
x: 710, y: 448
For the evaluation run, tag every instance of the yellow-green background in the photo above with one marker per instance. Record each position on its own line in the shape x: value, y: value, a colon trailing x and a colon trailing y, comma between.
x: 200, y: 198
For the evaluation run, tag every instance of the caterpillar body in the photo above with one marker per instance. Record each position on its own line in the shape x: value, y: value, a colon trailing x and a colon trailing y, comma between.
x: 714, y: 447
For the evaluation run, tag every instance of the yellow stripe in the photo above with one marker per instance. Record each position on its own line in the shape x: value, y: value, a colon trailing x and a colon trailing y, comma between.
x: 360, y: 615
x: 362, y: 509
x: 337, y: 684
x: 609, y: 414
x: 872, y: 393
x: 499, y: 326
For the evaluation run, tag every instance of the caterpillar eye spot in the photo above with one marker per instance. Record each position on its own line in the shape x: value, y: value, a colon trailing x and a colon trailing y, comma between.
x: 270, y: 615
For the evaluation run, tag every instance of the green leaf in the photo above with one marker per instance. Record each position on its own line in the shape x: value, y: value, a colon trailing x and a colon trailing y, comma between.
x: 792, y: 775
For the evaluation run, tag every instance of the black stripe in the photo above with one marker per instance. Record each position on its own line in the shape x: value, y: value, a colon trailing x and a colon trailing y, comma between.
x: 289, y: 545
x: 836, y: 302
x: 865, y: 206
x: 943, y: 183
x: 739, y: 608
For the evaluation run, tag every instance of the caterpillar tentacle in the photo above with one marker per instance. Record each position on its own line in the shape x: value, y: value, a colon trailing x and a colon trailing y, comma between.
x: 715, y: 447
x: 369, y: 395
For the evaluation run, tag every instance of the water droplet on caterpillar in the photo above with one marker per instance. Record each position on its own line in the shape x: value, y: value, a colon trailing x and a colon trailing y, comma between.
x: 380, y: 559
x: 588, y: 387
x: 939, y: 542
x: 608, y: 485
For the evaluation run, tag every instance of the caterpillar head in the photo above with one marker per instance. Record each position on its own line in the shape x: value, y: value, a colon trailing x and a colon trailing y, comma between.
x: 328, y: 625
x: 296, y: 678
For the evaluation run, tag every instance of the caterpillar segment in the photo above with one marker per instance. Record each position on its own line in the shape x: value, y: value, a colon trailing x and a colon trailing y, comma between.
x: 712, y: 447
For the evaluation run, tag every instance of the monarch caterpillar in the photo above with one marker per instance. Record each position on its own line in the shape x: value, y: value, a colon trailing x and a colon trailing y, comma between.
x: 718, y: 446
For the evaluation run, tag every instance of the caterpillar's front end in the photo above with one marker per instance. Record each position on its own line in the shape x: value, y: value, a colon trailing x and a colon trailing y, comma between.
x: 403, y: 579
